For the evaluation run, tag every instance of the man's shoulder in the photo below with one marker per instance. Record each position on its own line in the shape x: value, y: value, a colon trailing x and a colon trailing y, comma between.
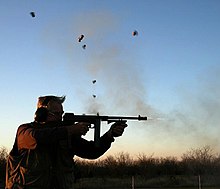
x: 31, y: 124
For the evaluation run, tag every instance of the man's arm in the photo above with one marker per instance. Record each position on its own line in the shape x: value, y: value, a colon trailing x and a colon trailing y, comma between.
x: 87, y: 149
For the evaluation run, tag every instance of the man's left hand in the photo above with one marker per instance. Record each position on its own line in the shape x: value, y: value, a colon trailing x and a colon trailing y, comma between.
x: 117, y: 129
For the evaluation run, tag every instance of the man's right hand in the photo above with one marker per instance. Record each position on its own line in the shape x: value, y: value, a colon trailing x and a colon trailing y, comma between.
x: 78, y: 129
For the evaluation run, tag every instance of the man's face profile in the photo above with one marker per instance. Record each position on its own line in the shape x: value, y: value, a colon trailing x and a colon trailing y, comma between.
x: 55, y: 111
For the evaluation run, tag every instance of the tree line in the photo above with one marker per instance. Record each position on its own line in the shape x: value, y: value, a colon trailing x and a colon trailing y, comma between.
x: 201, y: 161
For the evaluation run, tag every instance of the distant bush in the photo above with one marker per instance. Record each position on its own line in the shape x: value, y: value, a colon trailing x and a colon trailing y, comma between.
x: 201, y: 161
x: 3, y: 159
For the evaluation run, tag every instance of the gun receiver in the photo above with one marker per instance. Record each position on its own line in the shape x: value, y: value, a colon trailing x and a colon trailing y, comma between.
x: 71, y: 118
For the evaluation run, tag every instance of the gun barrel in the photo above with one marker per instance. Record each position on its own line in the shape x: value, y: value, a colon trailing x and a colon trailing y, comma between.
x: 139, y: 118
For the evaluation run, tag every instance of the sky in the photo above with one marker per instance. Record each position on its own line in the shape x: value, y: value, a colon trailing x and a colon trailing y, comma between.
x: 169, y: 72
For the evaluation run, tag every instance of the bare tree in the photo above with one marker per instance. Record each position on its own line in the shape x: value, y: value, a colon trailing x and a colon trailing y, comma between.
x: 3, y: 159
x: 199, y: 161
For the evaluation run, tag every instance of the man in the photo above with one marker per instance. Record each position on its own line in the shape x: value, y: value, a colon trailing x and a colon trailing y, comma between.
x: 42, y: 155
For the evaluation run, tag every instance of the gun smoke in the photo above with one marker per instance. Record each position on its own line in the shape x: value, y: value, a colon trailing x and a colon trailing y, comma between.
x: 121, y: 88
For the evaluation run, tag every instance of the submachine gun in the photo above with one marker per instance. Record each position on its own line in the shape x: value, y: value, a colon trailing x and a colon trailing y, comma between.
x: 95, y: 120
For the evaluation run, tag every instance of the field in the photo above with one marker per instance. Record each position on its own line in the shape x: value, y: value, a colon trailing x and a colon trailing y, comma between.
x: 140, y: 183
x: 101, y: 183
x: 177, y: 182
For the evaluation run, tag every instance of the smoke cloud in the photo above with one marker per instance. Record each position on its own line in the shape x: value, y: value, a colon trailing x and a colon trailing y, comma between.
x: 121, y: 88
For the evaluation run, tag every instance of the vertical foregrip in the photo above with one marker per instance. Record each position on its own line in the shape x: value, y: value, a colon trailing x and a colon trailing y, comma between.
x: 97, y: 132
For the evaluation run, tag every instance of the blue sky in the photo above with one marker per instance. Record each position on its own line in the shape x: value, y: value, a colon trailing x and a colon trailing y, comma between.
x: 169, y: 71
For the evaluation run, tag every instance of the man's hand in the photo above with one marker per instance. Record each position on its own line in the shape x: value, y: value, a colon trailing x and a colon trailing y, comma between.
x: 117, y: 129
x: 79, y: 129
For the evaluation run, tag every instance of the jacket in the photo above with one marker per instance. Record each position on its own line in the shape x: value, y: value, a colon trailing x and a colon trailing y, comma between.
x: 42, y: 156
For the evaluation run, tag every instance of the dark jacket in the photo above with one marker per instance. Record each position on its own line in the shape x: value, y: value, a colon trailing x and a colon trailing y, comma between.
x: 42, y: 156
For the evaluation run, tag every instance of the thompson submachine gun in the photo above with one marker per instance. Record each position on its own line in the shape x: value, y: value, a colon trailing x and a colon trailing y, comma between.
x: 95, y: 120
